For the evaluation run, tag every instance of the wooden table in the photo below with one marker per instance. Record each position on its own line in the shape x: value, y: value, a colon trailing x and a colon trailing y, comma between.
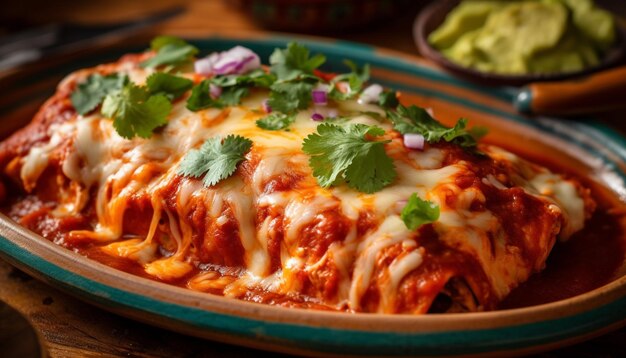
x: 72, y: 328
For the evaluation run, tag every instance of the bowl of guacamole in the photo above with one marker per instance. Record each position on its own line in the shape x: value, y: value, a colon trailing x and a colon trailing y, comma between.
x: 516, y: 42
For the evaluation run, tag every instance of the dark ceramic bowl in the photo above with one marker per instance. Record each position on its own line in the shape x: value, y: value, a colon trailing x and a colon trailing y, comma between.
x: 322, y: 16
x: 433, y: 16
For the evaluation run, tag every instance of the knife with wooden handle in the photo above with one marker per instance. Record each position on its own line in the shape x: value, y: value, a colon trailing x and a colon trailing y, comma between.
x: 598, y: 92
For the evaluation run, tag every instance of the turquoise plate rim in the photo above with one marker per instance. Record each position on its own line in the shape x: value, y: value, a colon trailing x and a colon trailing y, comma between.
x: 293, y: 336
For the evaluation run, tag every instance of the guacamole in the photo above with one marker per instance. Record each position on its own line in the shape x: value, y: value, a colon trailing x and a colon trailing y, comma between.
x: 521, y: 37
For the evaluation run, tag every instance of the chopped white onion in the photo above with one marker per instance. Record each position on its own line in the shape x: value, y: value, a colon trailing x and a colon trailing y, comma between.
x: 370, y: 94
x: 236, y: 61
x: 414, y: 141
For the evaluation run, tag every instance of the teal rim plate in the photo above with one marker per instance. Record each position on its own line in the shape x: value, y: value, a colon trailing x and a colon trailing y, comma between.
x: 596, y: 150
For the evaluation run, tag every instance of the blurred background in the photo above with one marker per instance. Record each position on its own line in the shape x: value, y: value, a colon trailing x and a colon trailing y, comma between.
x: 379, y: 22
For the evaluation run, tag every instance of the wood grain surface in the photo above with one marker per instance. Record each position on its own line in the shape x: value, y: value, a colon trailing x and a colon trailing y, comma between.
x: 71, y: 328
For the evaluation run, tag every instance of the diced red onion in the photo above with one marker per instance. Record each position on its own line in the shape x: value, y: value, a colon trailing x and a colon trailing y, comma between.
x: 237, y: 66
x: 235, y: 61
x: 320, y: 94
x: 332, y: 113
x: 319, y: 97
x: 430, y: 111
x: 215, y: 91
x: 317, y: 117
x: 414, y: 141
x: 204, y: 66
x: 266, y: 106
x: 370, y: 94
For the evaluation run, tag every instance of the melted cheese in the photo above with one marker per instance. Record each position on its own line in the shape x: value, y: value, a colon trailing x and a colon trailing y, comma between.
x: 36, y: 161
x: 390, y: 232
x: 566, y: 198
x: 120, y: 170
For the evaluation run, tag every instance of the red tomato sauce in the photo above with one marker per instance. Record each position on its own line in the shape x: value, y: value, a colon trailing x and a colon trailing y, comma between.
x: 590, y: 259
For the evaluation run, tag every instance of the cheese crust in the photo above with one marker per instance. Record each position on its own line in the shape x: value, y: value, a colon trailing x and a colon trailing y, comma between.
x: 270, y: 233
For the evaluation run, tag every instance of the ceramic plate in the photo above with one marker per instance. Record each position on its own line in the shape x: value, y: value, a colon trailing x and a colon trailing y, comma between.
x: 589, y: 149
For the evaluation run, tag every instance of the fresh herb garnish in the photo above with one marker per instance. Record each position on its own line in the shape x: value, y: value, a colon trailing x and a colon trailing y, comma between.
x: 415, y: 119
x: 217, y: 159
x: 293, y: 68
x: 135, y: 112
x: 201, y: 97
x: 288, y: 97
x: 236, y: 87
x: 355, y: 79
x: 161, y: 41
x: 294, y: 62
x: 170, y: 50
x: 418, y: 212
x: 276, y: 121
x: 89, y: 94
x: 255, y: 78
x: 231, y: 96
x: 169, y: 85
x: 388, y: 99
x: 344, y: 153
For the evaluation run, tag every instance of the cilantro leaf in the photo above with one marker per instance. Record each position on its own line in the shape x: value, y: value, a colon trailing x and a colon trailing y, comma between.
x: 388, y: 99
x: 161, y: 41
x: 170, y: 51
x: 344, y: 153
x: 371, y: 171
x: 418, y: 212
x: 275, y: 121
x: 256, y: 78
x: 236, y: 87
x: 288, y: 97
x: 294, y: 62
x: 356, y: 79
x: 231, y: 96
x: 89, y: 94
x: 415, y: 119
x: 201, y: 98
x: 135, y: 112
x: 169, y: 85
x: 216, y: 159
x: 293, y: 68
